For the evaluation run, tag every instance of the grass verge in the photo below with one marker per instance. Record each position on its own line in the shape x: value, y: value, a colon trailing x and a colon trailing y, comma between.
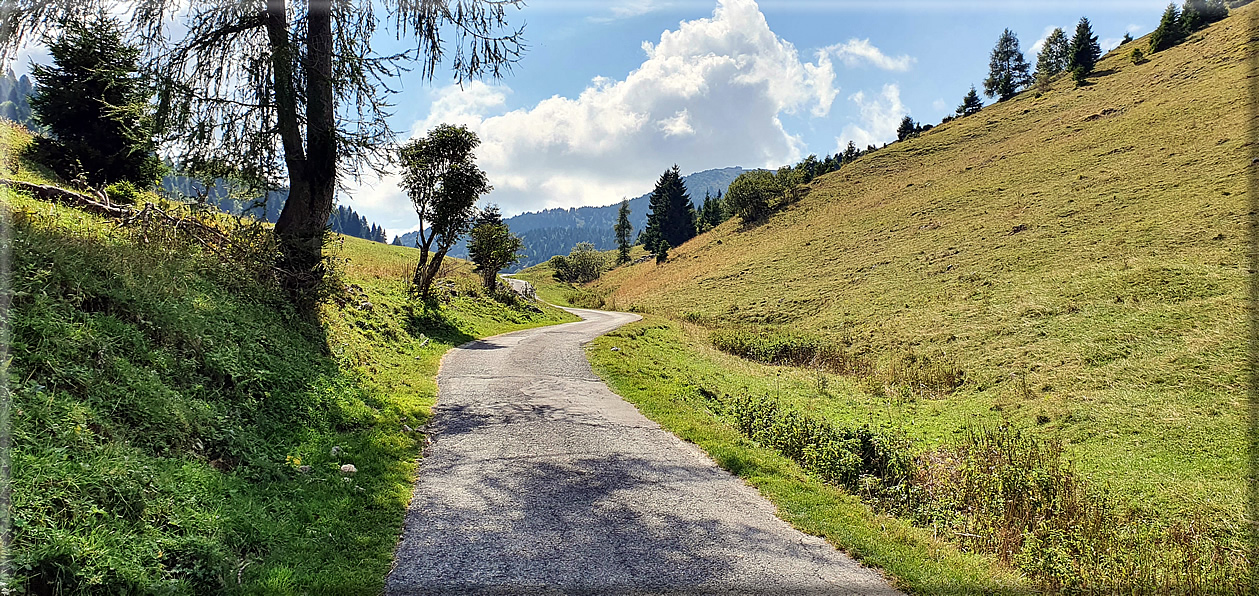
x: 178, y: 428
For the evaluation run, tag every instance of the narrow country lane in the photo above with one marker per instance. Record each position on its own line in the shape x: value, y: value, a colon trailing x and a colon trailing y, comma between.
x: 541, y: 480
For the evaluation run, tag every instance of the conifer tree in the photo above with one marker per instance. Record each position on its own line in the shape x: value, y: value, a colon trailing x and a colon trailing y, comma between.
x: 672, y: 217
x: 1085, y: 50
x: 623, y: 230
x: 95, y: 107
x: 971, y: 104
x: 1007, y: 69
x: 851, y: 152
x: 1169, y: 31
x: 1054, y: 55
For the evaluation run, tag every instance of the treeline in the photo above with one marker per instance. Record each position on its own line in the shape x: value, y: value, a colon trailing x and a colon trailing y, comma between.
x: 344, y: 220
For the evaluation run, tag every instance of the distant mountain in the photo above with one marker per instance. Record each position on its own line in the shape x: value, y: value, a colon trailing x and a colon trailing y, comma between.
x: 15, y: 96
x: 555, y: 231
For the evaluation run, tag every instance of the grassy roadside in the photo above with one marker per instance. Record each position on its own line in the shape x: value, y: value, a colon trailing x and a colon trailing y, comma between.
x: 179, y: 429
x: 1073, y: 261
x: 562, y: 293
x: 659, y: 367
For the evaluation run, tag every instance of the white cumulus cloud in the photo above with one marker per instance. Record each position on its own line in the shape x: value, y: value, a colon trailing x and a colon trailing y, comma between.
x: 708, y: 94
x: 880, y: 116
x: 855, y: 52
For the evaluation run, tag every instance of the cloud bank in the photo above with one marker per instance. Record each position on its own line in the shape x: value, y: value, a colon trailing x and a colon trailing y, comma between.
x: 708, y: 94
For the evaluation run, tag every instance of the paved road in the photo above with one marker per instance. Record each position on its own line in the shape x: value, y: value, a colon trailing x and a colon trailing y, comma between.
x: 541, y: 480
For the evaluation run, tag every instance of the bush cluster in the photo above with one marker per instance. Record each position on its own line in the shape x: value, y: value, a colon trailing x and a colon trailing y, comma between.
x: 1003, y: 492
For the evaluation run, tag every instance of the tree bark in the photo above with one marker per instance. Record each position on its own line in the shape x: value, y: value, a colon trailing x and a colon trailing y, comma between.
x: 312, y: 172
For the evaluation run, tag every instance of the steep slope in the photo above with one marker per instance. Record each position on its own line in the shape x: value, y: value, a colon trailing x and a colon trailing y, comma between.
x: 178, y: 428
x: 1081, y: 256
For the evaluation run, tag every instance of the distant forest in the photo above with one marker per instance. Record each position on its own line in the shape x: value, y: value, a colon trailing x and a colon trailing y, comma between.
x: 343, y: 220
x: 555, y: 231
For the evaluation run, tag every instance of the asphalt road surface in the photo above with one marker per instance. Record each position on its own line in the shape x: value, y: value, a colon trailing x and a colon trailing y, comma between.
x: 541, y: 480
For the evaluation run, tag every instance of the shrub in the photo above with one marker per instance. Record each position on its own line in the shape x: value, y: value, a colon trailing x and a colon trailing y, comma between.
x: 751, y: 194
x: 1137, y: 56
x: 123, y: 193
x: 583, y: 264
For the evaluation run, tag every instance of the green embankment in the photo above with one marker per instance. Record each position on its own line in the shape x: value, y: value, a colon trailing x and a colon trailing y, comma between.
x: 1076, y: 261
x: 178, y: 428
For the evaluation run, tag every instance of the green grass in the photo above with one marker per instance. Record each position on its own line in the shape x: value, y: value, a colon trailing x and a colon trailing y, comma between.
x: 566, y: 294
x: 660, y: 369
x: 1079, y: 257
x: 164, y: 404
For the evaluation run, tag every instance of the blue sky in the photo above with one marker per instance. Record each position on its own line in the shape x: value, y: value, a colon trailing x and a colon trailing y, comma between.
x: 609, y: 94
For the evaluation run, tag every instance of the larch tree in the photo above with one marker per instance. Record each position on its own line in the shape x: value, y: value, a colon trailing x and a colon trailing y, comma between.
x: 288, y: 93
x: 1169, y: 31
x: 1007, y: 69
x: 1054, y: 55
x: 971, y: 104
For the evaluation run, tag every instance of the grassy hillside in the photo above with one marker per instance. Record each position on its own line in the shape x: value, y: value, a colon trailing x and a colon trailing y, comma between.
x: 178, y: 428
x: 1077, y: 260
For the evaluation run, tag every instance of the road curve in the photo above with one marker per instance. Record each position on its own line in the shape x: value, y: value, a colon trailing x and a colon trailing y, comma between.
x: 541, y: 480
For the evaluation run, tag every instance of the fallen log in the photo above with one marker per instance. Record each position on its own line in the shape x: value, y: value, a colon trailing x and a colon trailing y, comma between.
x: 66, y: 197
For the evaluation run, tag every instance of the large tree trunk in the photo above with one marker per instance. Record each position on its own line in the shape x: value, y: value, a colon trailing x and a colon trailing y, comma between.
x: 312, y: 171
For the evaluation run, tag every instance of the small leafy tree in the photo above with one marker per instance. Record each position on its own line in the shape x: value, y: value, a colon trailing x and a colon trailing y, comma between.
x: 1054, y: 55
x: 662, y: 255
x: 95, y: 107
x: 583, y: 264
x: 492, y: 246
x: 906, y: 129
x: 971, y: 104
x: 623, y: 230
x: 751, y: 194
x: 1007, y: 69
x: 441, y: 178
x: 1085, y: 50
x: 1169, y: 31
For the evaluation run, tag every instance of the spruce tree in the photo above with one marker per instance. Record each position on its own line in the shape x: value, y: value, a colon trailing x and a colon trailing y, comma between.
x: 623, y: 230
x: 851, y: 152
x: 1169, y: 31
x: 1085, y: 50
x: 1054, y: 55
x: 1007, y: 69
x: 95, y: 107
x: 971, y: 104
x: 672, y: 217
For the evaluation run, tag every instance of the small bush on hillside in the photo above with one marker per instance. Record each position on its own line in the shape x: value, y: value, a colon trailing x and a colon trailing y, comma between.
x: 1137, y: 56
x: 1002, y: 492
x: 123, y: 193
x: 583, y: 264
x: 750, y: 196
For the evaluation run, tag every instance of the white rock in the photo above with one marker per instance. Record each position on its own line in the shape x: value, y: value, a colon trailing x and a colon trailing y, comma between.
x: 348, y: 469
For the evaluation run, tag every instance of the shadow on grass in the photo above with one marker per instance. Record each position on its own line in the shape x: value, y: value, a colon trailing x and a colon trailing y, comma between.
x: 198, y: 395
